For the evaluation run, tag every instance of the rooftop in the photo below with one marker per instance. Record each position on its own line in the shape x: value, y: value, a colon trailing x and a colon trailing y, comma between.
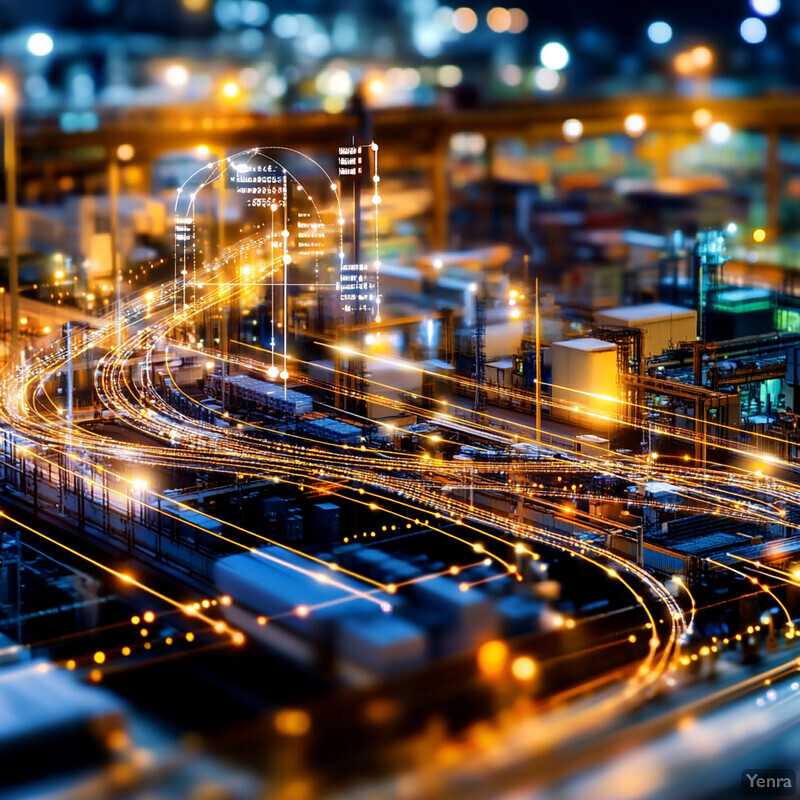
x: 587, y: 344
x: 647, y: 311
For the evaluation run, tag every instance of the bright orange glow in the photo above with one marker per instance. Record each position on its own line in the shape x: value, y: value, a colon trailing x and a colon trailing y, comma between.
x: 492, y: 657
x: 499, y: 19
x: 465, y: 20
x: 523, y: 668
x: 702, y: 57
x: 701, y: 118
x: 292, y: 722
x: 684, y: 64
x: 230, y: 90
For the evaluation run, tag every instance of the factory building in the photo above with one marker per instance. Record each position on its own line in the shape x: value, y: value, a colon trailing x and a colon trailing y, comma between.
x: 663, y: 326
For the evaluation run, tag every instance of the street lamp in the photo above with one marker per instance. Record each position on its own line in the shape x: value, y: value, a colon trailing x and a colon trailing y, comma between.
x: 3, y: 292
x: 123, y: 152
x: 8, y: 108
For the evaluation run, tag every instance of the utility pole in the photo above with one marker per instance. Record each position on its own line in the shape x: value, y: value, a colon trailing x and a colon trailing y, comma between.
x: 69, y: 383
x: 5, y: 335
x: 479, y: 405
x: 220, y: 187
x: 10, y: 153
x: 538, y: 369
x: 113, y: 214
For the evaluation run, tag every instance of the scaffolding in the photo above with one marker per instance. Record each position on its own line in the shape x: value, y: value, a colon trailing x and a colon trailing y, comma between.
x: 628, y: 342
x: 479, y: 405
x: 709, y: 257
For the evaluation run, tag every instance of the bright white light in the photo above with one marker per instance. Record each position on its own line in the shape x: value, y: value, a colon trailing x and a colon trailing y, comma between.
x: 659, y: 32
x: 572, y: 130
x: 731, y: 228
x: 635, y: 124
x: 546, y: 79
x: 284, y: 375
x: 40, y: 44
x: 337, y: 83
x: 753, y: 30
x: 177, y: 75
x: 272, y: 371
x: 719, y: 133
x: 765, y: 8
x: 554, y: 56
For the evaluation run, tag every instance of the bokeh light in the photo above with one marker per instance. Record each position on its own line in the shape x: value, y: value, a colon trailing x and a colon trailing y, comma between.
x: 572, y: 129
x: 719, y: 133
x: 492, y: 658
x: 702, y: 57
x: 449, y: 75
x: 554, y: 56
x: 465, y: 20
x: 230, y: 89
x: 511, y: 75
x: 523, y: 668
x: 499, y: 19
x: 176, y: 75
x: 40, y: 44
x: 765, y: 8
x: 519, y: 20
x: 684, y: 64
x: 546, y: 79
x: 659, y: 32
x: 701, y: 118
x: 753, y: 30
x: 635, y: 125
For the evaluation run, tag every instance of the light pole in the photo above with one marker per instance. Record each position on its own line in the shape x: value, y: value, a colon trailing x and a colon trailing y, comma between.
x: 7, y: 105
x: 5, y: 343
x: 124, y: 152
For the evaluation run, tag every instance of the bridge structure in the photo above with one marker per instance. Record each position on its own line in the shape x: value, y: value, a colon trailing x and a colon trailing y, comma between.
x: 413, y: 139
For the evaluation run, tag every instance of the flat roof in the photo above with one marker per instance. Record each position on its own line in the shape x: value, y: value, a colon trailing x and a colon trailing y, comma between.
x: 740, y: 295
x: 586, y: 343
x: 278, y: 581
x: 37, y: 697
x: 435, y: 363
x: 646, y: 311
